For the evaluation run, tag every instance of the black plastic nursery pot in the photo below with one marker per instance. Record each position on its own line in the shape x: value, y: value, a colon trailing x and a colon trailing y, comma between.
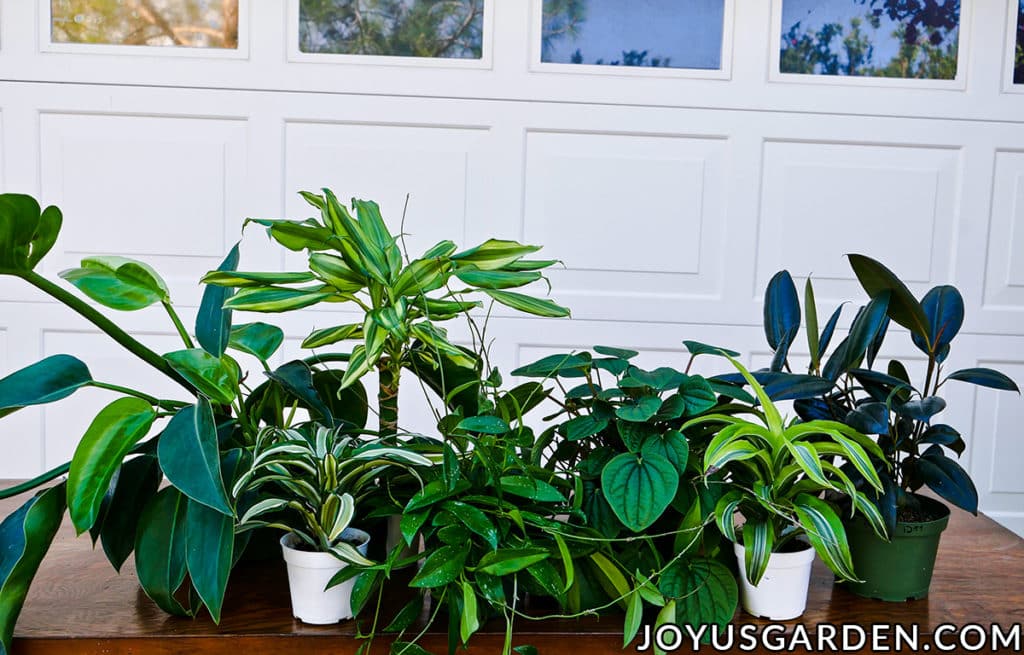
x: 901, y: 569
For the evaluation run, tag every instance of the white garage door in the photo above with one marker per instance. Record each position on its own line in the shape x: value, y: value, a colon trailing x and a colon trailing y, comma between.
x: 672, y: 154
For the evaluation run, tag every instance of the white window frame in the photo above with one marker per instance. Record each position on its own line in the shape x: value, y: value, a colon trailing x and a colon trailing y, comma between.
x: 1011, y: 48
x: 959, y: 83
x: 47, y: 44
x: 484, y: 62
x: 724, y: 72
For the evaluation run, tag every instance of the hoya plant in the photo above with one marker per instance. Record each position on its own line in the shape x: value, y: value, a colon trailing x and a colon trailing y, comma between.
x: 353, y: 259
x: 846, y: 385
x: 776, y: 474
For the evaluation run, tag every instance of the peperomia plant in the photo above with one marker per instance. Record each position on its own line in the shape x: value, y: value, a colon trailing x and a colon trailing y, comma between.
x: 776, y: 474
x: 356, y: 260
x: 845, y: 386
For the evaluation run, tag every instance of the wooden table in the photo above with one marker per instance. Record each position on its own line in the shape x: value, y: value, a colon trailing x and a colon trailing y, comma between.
x: 78, y: 604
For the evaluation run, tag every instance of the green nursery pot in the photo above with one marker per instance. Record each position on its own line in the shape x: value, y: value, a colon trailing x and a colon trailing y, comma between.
x: 900, y: 570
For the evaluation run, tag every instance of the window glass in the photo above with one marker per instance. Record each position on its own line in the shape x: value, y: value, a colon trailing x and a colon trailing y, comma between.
x: 1018, y: 61
x: 395, y: 28
x: 183, y: 23
x: 874, y: 38
x: 653, y: 33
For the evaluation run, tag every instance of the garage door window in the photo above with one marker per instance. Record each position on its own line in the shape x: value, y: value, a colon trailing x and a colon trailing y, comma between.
x: 159, y: 23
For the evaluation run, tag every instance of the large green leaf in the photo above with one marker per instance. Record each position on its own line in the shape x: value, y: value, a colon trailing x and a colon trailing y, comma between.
x: 26, y: 233
x: 189, y: 456
x: 639, y: 489
x: 296, y: 235
x: 758, y: 543
x: 903, y: 307
x: 671, y: 445
x: 497, y: 279
x: 137, y: 483
x: 826, y: 533
x: 260, y: 340
x: 442, y: 566
x: 160, y: 549
x: 327, y: 336
x: 704, y: 590
x: 528, y: 487
x: 118, y: 282
x: 528, y: 304
x: 25, y: 536
x: 334, y: 271
x: 210, y: 541
x: 212, y: 376
x: 118, y: 427
x: 213, y: 322
x: 46, y: 381
x: 422, y: 276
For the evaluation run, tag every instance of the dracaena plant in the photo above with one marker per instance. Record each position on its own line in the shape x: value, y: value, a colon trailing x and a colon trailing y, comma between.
x: 776, y: 474
x: 310, y: 480
x: 354, y: 259
x: 199, y: 444
x: 846, y: 386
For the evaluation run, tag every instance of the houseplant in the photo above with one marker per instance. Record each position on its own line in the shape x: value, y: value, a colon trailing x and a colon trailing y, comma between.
x: 844, y: 386
x: 128, y: 449
x: 776, y: 474
x: 309, y: 480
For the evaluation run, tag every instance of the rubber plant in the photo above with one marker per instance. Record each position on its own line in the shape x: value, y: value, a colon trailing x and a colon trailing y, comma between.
x: 776, y: 475
x: 845, y: 385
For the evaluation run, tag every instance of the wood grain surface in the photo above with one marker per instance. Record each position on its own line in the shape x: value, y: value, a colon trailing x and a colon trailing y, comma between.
x: 79, y: 604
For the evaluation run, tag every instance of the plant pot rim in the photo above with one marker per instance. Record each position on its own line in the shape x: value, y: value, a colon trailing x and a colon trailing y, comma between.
x: 779, y: 560
x: 317, y: 559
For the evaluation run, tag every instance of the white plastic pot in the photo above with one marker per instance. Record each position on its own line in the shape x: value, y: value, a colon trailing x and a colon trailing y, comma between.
x: 308, y: 575
x: 782, y: 592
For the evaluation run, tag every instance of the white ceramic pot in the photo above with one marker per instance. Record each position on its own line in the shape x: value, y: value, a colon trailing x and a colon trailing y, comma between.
x: 308, y: 575
x: 782, y: 592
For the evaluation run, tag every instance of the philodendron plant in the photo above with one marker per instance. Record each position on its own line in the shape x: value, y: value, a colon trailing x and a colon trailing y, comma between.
x: 845, y: 386
x: 201, y: 444
x: 776, y: 475
x: 355, y: 260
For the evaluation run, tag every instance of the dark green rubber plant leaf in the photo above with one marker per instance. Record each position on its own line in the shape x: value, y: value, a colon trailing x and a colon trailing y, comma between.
x: 118, y: 427
x: 136, y: 484
x: 26, y: 233
x: 704, y: 590
x: 160, y: 549
x: 213, y: 322
x: 118, y: 282
x: 209, y: 554
x: 903, y: 307
x: 260, y: 340
x: 297, y: 379
x: 189, y: 456
x: 46, y: 381
x: 639, y: 488
x: 25, y: 536
x: 213, y: 376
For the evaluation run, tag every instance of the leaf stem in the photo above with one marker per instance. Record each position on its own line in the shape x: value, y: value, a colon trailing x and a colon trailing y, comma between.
x: 105, y: 324
x: 156, y: 402
x: 178, y: 325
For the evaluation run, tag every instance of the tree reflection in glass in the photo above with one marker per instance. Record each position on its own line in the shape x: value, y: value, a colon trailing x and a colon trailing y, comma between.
x: 183, y: 23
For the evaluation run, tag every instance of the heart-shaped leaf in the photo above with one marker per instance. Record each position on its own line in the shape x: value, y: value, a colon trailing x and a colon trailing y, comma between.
x: 704, y: 590
x: 639, y: 488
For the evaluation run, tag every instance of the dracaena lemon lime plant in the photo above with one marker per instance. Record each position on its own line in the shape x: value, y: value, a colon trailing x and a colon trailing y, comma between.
x: 776, y: 474
x: 310, y: 480
x: 354, y: 259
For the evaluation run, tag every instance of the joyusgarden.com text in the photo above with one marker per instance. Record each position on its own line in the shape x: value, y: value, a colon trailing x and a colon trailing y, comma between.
x: 830, y: 638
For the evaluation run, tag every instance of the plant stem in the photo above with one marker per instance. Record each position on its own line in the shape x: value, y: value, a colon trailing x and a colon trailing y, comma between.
x: 156, y: 402
x: 178, y: 324
x: 105, y: 324
x: 387, y: 396
x: 35, y: 482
